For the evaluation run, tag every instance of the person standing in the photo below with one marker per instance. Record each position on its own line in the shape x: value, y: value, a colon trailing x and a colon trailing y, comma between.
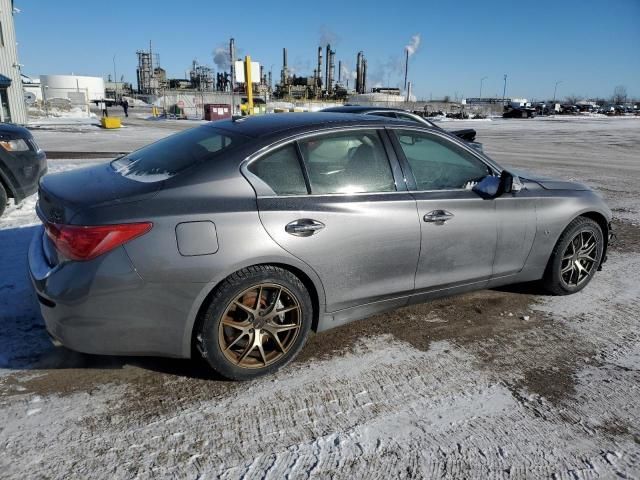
x: 125, y: 107
x: 102, y: 105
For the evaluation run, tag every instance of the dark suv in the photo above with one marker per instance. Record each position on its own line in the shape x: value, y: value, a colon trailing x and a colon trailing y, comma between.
x: 22, y: 163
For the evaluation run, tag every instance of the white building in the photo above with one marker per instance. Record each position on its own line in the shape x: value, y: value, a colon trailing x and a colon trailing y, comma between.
x: 59, y: 86
x: 12, y: 108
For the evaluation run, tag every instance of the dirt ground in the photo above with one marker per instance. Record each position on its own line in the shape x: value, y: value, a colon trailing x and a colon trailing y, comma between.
x: 506, y: 383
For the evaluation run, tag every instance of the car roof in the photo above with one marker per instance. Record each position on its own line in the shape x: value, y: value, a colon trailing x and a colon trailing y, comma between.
x: 279, y: 123
x: 362, y: 109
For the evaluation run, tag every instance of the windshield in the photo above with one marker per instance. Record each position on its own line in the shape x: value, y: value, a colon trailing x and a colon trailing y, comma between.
x: 164, y: 159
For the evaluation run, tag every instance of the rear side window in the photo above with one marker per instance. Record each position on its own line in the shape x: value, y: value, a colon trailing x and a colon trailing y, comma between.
x: 281, y: 170
x: 349, y: 162
x: 169, y: 156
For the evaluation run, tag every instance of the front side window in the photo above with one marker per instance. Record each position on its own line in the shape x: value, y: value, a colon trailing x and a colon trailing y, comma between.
x: 281, y: 170
x: 169, y: 156
x: 439, y: 164
x: 347, y: 162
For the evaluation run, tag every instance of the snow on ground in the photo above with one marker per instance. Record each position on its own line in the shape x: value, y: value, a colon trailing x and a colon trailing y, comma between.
x: 496, y: 384
x: 24, y: 214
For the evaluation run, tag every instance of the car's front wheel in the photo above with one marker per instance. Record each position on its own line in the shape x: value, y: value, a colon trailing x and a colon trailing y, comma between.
x: 257, y: 321
x: 575, y: 258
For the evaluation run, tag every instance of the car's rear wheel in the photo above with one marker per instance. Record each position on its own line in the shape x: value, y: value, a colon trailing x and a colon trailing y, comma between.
x: 3, y: 199
x: 257, y: 321
x: 575, y: 258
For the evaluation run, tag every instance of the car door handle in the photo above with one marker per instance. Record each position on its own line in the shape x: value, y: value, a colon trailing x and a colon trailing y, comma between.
x: 304, y: 227
x: 438, y: 216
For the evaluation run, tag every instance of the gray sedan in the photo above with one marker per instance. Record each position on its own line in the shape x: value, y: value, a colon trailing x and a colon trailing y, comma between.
x: 234, y: 239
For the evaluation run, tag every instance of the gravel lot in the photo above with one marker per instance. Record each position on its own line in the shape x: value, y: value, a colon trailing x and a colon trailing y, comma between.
x: 504, y: 383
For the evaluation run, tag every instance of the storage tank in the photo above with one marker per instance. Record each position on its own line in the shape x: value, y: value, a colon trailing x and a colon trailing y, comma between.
x: 59, y: 86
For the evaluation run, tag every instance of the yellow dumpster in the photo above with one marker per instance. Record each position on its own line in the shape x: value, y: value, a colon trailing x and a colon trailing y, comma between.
x: 110, y: 122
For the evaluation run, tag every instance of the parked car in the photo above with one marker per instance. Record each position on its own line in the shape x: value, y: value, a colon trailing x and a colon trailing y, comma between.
x: 467, y: 134
x: 518, y: 112
x: 237, y: 238
x: 22, y: 164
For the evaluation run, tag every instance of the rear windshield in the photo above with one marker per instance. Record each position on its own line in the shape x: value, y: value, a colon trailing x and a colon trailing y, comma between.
x: 164, y: 159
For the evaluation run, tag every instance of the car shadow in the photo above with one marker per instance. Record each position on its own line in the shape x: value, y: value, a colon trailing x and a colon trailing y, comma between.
x: 526, y: 288
x: 24, y: 342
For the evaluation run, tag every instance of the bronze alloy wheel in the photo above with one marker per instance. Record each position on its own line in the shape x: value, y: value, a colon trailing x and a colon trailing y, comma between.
x: 579, y: 258
x: 260, y: 326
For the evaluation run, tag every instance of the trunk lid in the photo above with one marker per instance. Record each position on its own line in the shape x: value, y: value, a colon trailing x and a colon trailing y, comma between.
x: 63, y: 195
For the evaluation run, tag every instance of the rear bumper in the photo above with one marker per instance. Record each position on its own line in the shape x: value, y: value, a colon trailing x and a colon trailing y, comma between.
x: 103, y: 306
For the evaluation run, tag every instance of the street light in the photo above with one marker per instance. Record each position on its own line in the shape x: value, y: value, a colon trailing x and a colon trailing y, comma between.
x: 482, y: 80
x: 555, y: 89
x: 504, y: 89
x: 115, y: 78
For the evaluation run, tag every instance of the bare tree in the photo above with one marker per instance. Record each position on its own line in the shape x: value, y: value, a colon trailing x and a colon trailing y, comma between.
x: 619, y: 95
x: 572, y: 99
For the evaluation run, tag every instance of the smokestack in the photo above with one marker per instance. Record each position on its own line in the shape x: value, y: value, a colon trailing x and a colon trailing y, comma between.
x: 319, y: 72
x: 339, y: 71
x: 406, y: 68
x: 359, y: 73
x: 262, y: 77
x: 232, y: 56
x: 332, y: 67
x: 326, y: 75
x: 409, y: 92
x: 285, y: 73
x: 270, y: 81
x: 364, y: 75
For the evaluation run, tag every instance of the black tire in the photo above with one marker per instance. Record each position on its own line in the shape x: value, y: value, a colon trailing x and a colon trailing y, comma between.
x: 224, y: 297
x: 553, y: 280
x: 3, y: 199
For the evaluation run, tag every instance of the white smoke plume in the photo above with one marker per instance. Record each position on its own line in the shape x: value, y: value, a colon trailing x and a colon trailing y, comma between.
x: 414, y: 44
x: 346, y: 73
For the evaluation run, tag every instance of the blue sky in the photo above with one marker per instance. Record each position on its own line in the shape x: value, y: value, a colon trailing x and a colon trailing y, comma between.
x: 591, y: 46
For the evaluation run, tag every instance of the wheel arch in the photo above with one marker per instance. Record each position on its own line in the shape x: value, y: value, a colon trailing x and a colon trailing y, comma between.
x: 8, y: 186
x: 313, y: 286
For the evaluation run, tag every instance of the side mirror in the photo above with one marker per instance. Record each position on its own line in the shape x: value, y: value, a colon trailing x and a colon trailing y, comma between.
x: 492, y: 187
x: 488, y: 187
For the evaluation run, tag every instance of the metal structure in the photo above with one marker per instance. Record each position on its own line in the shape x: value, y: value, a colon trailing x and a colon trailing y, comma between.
x: 330, y: 56
x: 284, y: 74
x: 318, y: 75
x: 201, y: 77
x: 232, y: 60
x: 148, y: 63
x: 361, y: 73
x: 364, y: 75
x: 406, y: 67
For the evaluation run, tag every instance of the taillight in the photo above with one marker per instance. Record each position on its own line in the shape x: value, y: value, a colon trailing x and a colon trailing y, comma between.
x: 82, y: 243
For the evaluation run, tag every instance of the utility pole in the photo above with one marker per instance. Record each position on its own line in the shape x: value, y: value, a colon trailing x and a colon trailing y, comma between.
x: 481, y: 80
x: 555, y: 89
x: 504, y: 89
x: 115, y: 79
